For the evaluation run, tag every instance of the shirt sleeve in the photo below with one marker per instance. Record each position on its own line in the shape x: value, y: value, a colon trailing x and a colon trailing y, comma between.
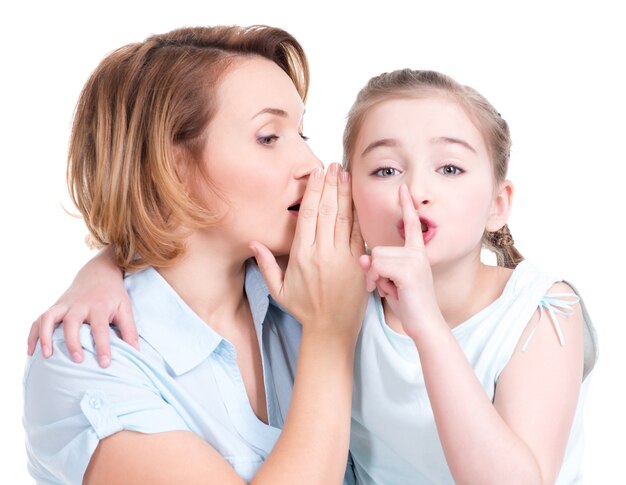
x: 69, y: 407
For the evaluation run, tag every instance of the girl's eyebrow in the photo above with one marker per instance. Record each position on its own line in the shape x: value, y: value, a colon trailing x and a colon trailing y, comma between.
x: 384, y: 142
x: 445, y: 140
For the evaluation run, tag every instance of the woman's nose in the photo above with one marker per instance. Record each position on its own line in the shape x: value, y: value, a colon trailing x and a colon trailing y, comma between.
x: 307, y: 163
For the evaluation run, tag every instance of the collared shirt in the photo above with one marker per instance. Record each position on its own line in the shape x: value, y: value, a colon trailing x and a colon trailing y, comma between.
x: 184, y: 378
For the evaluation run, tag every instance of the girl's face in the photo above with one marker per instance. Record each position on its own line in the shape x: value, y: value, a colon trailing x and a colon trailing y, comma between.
x: 433, y: 147
x: 256, y: 157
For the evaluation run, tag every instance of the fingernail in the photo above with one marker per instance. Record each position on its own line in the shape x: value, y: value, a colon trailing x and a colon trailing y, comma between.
x: 77, y: 357
x: 45, y: 351
x: 318, y: 173
x: 333, y: 168
x: 345, y: 176
x: 104, y: 360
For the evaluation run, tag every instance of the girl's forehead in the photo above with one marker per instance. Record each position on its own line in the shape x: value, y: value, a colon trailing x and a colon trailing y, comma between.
x: 419, y: 116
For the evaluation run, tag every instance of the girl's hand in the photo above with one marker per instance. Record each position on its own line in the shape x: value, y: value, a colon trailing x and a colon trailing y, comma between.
x: 322, y: 286
x: 402, y: 275
x: 97, y: 296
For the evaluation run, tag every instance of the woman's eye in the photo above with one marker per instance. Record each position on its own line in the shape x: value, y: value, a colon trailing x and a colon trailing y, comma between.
x: 267, y: 140
x: 450, y: 170
x: 386, y: 172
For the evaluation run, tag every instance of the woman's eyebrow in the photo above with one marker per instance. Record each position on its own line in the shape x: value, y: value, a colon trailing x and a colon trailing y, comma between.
x: 446, y: 140
x: 273, y: 111
x: 384, y: 142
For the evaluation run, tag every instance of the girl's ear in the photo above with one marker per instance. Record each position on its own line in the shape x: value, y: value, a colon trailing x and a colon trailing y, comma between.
x: 500, y: 207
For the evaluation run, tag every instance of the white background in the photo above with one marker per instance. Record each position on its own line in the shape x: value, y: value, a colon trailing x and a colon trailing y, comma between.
x: 553, y: 69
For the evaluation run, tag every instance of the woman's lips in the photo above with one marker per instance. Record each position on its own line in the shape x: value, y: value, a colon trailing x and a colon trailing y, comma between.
x: 428, y: 229
x: 295, y: 207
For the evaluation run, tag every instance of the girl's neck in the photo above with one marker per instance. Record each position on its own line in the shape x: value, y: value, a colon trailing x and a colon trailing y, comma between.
x: 465, y: 288
x: 462, y: 289
x: 210, y: 279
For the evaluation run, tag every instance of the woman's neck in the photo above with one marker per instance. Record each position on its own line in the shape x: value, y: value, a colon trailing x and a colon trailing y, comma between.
x: 210, y: 279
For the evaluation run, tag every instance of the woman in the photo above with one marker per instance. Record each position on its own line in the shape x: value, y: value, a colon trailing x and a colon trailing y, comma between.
x: 172, y: 139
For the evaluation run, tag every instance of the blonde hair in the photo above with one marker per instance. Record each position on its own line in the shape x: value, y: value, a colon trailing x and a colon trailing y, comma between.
x: 407, y: 83
x: 146, y: 105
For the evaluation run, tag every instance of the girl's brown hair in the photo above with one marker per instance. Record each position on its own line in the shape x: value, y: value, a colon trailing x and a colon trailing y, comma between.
x: 407, y: 83
x: 145, y: 107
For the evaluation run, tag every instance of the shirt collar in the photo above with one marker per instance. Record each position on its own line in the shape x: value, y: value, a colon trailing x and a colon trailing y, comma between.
x: 167, y: 323
x: 258, y: 295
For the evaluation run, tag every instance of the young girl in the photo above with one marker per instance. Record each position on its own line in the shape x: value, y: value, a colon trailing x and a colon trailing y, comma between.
x: 465, y: 372
x: 171, y: 137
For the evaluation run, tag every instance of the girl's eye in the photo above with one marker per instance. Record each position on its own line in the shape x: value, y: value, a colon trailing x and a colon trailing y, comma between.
x: 304, y: 137
x: 450, y: 170
x: 267, y: 140
x: 386, y: 172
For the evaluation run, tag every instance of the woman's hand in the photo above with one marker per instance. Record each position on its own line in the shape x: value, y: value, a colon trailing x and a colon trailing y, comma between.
x: 322, y: 286
x: 97, y: 296
x: 402, y: 274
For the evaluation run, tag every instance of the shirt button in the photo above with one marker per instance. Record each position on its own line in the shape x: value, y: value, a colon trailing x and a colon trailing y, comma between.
x: 95, y: 403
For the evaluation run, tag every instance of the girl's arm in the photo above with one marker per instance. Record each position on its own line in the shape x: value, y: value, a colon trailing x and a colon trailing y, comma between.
x: 97, y: 296
x: 521, y: 437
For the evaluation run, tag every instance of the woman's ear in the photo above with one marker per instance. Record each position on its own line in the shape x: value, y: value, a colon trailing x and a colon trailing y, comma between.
x: 500, y: 207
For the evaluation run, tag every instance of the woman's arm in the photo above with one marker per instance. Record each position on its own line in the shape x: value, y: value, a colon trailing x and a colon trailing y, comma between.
x: 97, y: 296
x: 324, y: 287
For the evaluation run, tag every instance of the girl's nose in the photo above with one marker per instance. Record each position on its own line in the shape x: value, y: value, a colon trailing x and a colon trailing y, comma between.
x: 418, y: 188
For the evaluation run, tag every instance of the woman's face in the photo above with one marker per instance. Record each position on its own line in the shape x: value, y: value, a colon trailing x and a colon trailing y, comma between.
x: 256, y: 157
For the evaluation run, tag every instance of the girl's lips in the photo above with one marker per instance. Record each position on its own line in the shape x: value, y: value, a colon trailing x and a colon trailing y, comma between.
x: 428, y: 229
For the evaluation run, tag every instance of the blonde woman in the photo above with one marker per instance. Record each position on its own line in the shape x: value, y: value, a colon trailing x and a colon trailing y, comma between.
x: 187, y: 158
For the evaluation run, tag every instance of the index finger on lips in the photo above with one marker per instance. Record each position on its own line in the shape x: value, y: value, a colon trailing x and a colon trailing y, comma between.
x: 412, y: 225
x: 306, y: 226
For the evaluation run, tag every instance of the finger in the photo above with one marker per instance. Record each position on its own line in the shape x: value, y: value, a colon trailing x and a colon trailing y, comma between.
x: 33, y: 337
x: 272, y: 274
x: 71, y: 332
x: 125, y: 323
x: 412, y: 225
x: 357, y: 244
x: 48, y: 321
x: 343, y: 224
x: 388, y: 288
x: 365, y: 261
x: 307, y: 215
x: 102, y: 340
x: 327, y: 212
x: 371, y: 275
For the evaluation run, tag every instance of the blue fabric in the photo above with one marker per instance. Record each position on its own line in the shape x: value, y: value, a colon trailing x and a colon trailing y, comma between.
x: 184, y: 378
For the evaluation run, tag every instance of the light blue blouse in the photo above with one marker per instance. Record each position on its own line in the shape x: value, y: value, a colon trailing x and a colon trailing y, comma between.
x: 184, y: 378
